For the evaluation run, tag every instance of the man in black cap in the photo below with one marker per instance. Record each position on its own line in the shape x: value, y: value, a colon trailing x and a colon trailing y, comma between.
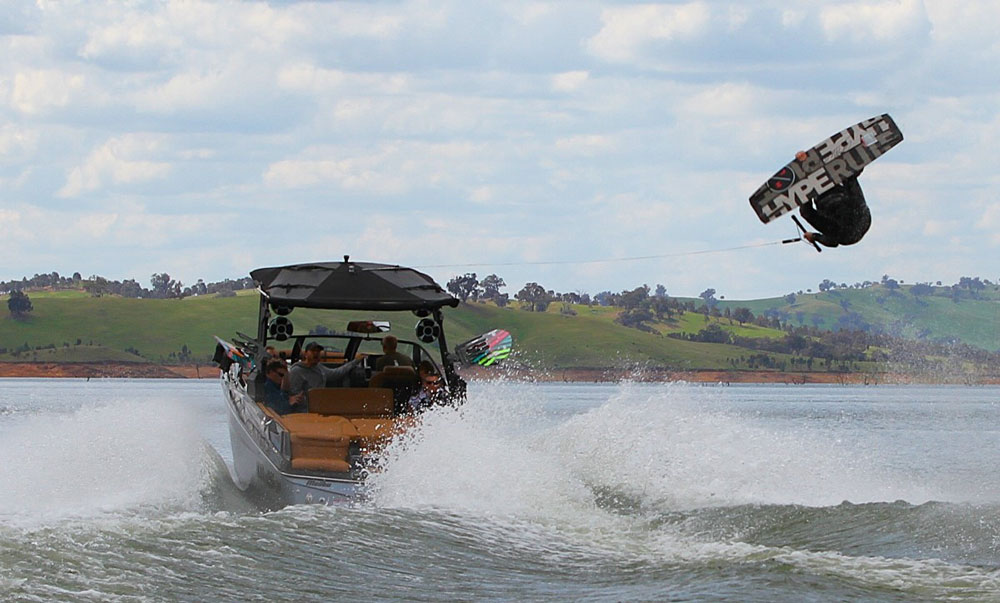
x: 309, y: 372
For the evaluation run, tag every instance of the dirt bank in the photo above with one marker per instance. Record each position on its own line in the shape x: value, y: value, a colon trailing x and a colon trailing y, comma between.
x: 594, y: 375
x: 137, y: 370
x: 134, y: 370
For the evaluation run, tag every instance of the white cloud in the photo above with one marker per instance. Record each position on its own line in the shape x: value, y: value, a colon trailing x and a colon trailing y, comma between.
x: 114, y: 163
x: 37, y: 91
x: 12, y: 230
x: 625, y: 29
x: 569, y: 81
x: 309, y: 77
x: 536, y: 131
x: 587, y: 144
x: 16, y: 142
x: 393, y: 168
x: 792, y: 18
x: 862, y: 22
x: 729, y: 99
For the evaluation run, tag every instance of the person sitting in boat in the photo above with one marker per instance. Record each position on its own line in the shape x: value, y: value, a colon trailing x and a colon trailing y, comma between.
x: 309, y: 372
x: 390, y: 357
x: 431, y: 393
x: 276, y: 398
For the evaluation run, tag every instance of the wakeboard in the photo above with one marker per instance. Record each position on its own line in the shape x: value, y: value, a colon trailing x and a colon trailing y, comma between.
x: 486, y: 349
x: 824, y: 166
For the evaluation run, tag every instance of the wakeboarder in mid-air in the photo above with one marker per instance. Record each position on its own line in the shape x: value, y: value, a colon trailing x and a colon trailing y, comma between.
x: 840, y: 214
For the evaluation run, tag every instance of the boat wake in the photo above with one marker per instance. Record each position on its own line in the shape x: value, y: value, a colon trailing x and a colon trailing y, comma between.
x: 660, y: 476
x: 666, y: 448
x: 117, y: 458
x: 635, y: 492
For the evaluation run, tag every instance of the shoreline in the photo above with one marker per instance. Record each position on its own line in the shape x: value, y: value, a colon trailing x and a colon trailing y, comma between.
x: 138, y: 370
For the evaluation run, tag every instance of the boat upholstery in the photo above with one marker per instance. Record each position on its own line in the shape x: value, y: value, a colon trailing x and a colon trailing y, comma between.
x: 319, y: 443
x: 321, y: 438
x: 351, y: 402
x: 369, y: 410
x: 402, y: 380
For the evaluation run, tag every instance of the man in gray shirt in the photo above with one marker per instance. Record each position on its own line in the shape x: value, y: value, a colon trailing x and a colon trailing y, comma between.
x: 309, y: 373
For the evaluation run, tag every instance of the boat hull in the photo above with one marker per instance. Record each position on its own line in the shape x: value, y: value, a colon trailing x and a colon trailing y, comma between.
x: 258, y: 460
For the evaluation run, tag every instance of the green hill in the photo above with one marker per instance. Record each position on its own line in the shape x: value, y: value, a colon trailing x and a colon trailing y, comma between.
x: 944, y: 314
x: 72, y: 326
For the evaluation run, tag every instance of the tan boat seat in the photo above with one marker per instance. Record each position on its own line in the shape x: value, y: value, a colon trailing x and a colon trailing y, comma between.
x: 319, y: 443
x: 368, y: 409
x: 402, y: 380
x: 351, y: 402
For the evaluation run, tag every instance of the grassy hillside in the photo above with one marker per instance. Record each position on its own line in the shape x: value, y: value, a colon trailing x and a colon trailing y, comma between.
x: 73, y: 326
x: 941, y: 315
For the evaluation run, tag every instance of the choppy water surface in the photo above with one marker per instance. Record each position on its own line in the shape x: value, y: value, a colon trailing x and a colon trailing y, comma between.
x: 118, y: 491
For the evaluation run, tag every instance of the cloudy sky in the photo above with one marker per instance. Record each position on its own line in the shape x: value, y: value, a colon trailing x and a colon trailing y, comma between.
x: 533, y: 140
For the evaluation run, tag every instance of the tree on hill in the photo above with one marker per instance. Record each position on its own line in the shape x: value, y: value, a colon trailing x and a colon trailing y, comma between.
x: 605, y: 298
x: 662, y: 306
x: 974, y: 285
x: 635, y: 298
x: 164, y: 287
x: 19, y: 304
x: 742, y: 315
x: 534, y: 297
x: 826, y: 285
x: 96, y: 285
x: 131, y: 288
x: 709, y: 296
x: 636, y: 318
x: 465, y: 286
x: 491, y: 285
x: 198, y: 288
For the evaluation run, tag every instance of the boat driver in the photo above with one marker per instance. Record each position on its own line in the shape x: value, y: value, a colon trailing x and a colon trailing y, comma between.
x: 310, y: 373
x: 390, y: 356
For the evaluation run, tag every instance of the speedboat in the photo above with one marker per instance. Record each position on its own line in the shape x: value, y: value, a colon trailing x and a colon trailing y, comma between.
x: 322, y: 456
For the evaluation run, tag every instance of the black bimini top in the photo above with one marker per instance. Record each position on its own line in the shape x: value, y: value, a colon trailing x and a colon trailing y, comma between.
x: 351, y: 286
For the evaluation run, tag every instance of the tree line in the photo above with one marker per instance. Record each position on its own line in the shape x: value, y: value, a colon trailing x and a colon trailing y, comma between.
x: 162, y: 286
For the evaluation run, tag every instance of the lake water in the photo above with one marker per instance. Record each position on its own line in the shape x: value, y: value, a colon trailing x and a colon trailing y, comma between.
x: 117, y: 490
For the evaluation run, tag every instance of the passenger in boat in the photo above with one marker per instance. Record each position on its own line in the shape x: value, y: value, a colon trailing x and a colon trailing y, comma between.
x: 431, y: 393
x: 276, y: 398
x: 390, y: 357
x: 309, y: 372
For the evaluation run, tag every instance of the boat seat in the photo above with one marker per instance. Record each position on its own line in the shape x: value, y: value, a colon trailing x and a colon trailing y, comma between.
x: 319, y: 443
x: 402, y: 380
x: 351, y: 402
x: 374, y: 433
x: 368, y: 409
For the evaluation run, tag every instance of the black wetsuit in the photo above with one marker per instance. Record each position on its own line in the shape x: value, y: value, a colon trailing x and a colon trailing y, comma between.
x: 841, y: 215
